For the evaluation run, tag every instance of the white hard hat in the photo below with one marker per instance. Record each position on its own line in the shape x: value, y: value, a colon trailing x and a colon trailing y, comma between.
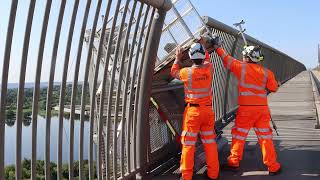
x: 197, y: 51
x: 253, y: 52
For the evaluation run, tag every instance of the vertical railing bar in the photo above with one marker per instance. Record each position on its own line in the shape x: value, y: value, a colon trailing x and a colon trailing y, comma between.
x: 36, y: 90
x: 24, y: 60
x: 110, y: 96
x: 105, y: 74
x: 124, y: 55
x: 50, y: 87
x: 139, y: 80
x: 93, y: 92
x: 75, y: 88
x: 83, y: 100
x: 132, y: 88
x: 124, y: 99
x: 63, y: 87
x: 4, y: 82
x: 143, y: 126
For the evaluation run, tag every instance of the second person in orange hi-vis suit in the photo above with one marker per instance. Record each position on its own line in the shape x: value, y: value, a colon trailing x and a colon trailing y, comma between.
x: 254, y: 83
x: 198, y: 115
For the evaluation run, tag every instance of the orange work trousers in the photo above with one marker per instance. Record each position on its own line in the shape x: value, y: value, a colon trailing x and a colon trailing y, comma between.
x: 257, y: 117
x: 195, y: 120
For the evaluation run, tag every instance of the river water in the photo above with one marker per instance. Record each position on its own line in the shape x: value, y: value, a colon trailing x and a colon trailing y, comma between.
x: 10, y: 139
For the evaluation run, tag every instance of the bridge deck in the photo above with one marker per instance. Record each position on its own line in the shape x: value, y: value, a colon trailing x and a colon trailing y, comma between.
x: 298, y: 145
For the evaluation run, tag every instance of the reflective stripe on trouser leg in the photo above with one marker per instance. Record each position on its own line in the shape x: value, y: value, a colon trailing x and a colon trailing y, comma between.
x: 239, y: 136
x: 267, y: 147
x: 188, y: 141
x: 190, y: 127
x: 210, y: 148
x: 208, y: 137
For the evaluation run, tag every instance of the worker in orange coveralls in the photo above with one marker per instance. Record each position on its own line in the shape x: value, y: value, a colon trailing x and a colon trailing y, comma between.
x: 198, y: 114
x: 254, y: 83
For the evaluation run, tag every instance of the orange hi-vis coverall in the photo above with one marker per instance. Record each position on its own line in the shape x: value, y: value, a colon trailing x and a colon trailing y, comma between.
x: 198, y: 117
x: 254, y: 81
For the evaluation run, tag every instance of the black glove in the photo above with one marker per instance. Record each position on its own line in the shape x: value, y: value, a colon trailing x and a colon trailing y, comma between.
x: 215, y: 41
x: 210, y: 42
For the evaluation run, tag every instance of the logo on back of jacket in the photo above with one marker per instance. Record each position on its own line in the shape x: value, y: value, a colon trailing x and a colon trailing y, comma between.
x: 202, y: 77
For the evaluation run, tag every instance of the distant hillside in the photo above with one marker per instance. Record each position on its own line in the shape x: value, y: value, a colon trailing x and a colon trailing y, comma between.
x: 31, y: 85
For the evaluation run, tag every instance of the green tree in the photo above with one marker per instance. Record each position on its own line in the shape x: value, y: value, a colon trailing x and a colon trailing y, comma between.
x: 26, y: 163
x: 9, y: 173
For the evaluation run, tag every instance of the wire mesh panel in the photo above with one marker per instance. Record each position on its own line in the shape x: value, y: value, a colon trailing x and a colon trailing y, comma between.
x: 182, y: 24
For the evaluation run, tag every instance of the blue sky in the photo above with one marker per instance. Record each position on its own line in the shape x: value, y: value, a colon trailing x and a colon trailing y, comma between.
x: 291, y: 26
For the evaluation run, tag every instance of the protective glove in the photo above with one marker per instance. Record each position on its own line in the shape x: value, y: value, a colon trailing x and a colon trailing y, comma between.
x: 215, y: 41
x: 210, y: 42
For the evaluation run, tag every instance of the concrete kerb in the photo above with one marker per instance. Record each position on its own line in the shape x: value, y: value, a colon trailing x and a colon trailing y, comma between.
x: 316, y: 95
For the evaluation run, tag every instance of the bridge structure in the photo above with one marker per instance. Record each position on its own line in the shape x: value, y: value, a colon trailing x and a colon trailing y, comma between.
x: 126, y: 61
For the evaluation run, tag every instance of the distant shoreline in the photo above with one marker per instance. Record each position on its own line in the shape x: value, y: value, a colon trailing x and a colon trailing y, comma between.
x: 11, y: 104
x: 28, y: 85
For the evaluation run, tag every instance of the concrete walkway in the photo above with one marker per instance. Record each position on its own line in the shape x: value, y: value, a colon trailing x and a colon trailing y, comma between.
x: 298, y: 145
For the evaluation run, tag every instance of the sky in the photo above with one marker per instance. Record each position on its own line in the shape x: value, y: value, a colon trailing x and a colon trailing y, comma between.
x: 292, y: 26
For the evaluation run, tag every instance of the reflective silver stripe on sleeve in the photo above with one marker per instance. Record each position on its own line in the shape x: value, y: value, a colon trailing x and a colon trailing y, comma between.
x: 177, y: 75
x: 190, y: 143
x: 262, y: 129
x: 238, y: 137
x: 230, y: 59
x: 208, y: 141
x: 265, y: 136
x: 242, y: 129
x: 206, y: 133
x: 243, y: 72
x: 248, y: 93
x: 189, y: 78
x: 223, y: 56
x: 265, y: 78
x: 190, y: 134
